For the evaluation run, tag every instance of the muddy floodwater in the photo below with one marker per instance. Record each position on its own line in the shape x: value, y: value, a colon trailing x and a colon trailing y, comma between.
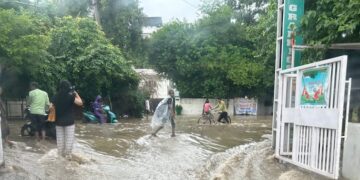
x: 125, y: 150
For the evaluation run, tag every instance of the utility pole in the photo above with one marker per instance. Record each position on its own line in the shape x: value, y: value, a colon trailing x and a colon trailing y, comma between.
x: 96, y: 14
x: 2, y: 162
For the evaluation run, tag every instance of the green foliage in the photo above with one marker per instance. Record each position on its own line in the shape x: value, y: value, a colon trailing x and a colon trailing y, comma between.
x: 217, y: 58
x: 70, y: 7
x: 327, y: 22
x: 50, y: 8
x: 20, y: 37
x: 71, y: 36
x: 74, y: 49
x: 104, y: 69
x: 331, y: 20
x: 247, y: 11
x: 178, y: 109
x: 15, y: 4
x: 263, y: 35
x: 38, y: 44
x: 88, y: 59
x: 23, y: 44
x: 130, y: 103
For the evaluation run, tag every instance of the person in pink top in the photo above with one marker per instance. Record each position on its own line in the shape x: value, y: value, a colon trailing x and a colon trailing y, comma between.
x: 207, y: 107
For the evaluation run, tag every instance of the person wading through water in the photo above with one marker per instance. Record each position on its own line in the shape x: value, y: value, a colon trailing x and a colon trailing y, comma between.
x: 38, y: 101
x: 165, y: 112
x: 223, y: 111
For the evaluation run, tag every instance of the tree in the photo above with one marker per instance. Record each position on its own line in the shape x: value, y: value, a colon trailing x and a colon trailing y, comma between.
x: 38, y: 47
x: 247, y: 11
x: 122, y: 22
x: 217, y: 57
x: 50, y: 8
x: 23, y: 55
x: 78, y: 8
x: 84, y: 56
x: 263, y: 36
x: 331, y: 21
x: 211, y: 58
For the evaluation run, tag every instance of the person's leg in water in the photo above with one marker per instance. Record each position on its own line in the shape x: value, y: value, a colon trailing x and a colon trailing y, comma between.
x: 60, y: 140
x: 42, y: 122
x: 147, y: 115
x: 43, y: 134
x: 100, y: 116
x: 69, y: 141
x: 172, y: 119
x: 221, y: 117
x: 5, y: 132
x: 10, y: 143
x: 156, y: 131
x: 225, y: 117
x: 106, y: 118
x: 35, y: 121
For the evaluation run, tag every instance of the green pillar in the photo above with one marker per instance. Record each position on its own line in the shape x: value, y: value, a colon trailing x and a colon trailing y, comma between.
x: 293, y: 12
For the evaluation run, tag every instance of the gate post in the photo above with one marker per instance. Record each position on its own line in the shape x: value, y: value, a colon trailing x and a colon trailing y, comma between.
x: 289, y: 13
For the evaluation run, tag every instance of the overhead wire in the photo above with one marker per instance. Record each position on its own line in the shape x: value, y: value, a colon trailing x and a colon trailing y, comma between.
x: 190, y: 4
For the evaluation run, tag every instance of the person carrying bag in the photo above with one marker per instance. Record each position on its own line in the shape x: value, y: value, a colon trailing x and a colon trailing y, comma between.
x: 51, y: 115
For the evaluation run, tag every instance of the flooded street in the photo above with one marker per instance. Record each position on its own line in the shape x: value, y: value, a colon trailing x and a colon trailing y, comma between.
x: 125, y: 150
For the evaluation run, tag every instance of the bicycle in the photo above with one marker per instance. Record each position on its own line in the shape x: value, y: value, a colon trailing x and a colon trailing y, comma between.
x: 209, y: 119
x: 206, y: 118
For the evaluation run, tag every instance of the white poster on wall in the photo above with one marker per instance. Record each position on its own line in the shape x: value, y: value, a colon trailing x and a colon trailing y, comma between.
x: 245, y: 106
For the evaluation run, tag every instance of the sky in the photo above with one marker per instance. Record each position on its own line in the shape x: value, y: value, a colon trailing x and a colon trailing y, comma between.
x: 172, y: 9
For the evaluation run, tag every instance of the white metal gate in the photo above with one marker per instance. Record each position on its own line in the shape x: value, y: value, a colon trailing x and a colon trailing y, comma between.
x: 309, y: 135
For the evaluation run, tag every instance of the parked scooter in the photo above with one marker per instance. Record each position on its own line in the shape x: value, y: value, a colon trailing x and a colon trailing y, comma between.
x: 29, y: 130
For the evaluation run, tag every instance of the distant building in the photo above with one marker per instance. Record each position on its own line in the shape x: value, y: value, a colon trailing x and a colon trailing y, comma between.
x: 151, y: 24
x: 153, y: 83
x: 156, y: 85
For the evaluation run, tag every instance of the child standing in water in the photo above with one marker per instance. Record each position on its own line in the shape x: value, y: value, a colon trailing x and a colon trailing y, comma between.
x: 207, y: 107
x: 165, y: 111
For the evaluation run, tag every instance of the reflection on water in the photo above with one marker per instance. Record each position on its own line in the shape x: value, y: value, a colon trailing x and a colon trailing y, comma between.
x: 125, y: 150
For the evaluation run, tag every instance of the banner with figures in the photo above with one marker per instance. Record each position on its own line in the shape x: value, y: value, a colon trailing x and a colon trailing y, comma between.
x: 314, y: 87
x: 245, y: 106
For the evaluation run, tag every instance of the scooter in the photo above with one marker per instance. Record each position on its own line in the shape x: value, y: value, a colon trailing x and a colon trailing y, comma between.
x: 89, y: 117
x: 29, y: 130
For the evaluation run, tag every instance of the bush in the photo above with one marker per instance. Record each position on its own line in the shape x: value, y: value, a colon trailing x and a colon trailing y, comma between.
x: 178, y: 109
x: 131, y: 103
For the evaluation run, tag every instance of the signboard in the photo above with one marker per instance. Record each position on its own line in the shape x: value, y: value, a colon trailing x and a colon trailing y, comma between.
x: 245, y: 106
x: 314, y: 84
x: 293, y: 12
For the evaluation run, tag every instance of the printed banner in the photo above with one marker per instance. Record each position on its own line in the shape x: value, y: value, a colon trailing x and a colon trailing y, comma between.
x: 314, y: 87
x: 245, y: 106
